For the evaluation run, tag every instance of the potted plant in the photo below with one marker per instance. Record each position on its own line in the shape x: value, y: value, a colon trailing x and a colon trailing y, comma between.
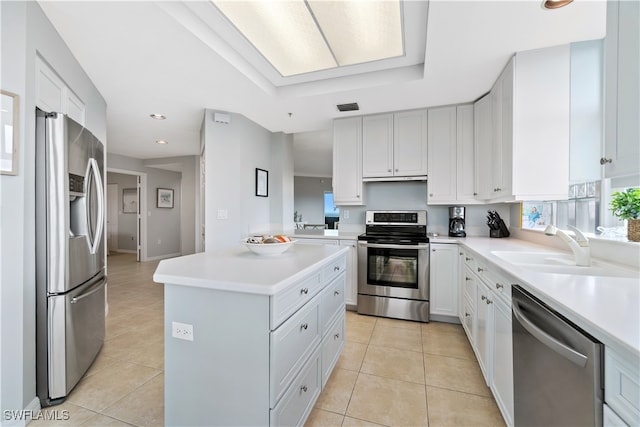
x: 626, y: 205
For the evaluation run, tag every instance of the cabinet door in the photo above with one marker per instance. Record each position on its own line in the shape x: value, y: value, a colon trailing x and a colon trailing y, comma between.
x: 482, y: 119
x: 49, y: 88
x: 347, y: 161
x: 441, y: 156
x: 503, y: 184
x: 496, y: 138
x: 484, y: 330
x: 75, y: 107
x: 377, y: 145
x: 502, y: 377
x: 351, y: 285
x: 443, y: 268
x: 622, y: 108
x: 410, y: 143
x: 465, y: 169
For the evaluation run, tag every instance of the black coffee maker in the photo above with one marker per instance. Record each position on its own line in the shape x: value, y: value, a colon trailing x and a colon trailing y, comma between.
x: 456, y: 221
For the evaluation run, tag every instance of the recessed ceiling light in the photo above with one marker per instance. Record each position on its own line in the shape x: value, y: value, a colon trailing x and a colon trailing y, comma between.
x: 158, y: 116
x: 162, y: 141
x: 555, y: 4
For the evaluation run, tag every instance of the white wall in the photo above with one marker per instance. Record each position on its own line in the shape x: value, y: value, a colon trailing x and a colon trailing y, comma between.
x: 25, y: 31
x: 309, y: 198
x: 233, y: 152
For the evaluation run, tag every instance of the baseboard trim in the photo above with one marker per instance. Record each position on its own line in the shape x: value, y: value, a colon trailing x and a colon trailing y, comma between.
x: 21, y: 418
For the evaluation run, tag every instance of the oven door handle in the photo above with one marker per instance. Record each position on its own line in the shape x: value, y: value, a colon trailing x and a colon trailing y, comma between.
x: 391, y: 246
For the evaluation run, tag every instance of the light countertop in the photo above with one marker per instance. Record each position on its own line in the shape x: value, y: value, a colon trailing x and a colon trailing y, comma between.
x: 606, y: 307
x: 324, y: 234
x: 240, y: 270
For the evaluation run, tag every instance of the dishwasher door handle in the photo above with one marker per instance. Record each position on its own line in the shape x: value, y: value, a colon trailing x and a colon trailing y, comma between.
x: 546, y: 339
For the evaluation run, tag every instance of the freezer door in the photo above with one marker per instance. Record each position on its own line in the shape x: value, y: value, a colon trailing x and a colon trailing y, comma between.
x: 76, y: 330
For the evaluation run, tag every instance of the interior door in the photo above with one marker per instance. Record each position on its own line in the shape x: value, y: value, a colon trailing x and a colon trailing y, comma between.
x: 112, y: 217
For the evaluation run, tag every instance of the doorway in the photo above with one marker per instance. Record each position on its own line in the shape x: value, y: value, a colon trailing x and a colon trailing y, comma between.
x: 126, y: 212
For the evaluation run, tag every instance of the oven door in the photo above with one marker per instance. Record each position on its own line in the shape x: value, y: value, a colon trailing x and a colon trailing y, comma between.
x: 391, y: 270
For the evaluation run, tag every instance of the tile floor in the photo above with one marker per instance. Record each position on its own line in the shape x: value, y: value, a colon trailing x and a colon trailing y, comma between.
x: 391, y: 372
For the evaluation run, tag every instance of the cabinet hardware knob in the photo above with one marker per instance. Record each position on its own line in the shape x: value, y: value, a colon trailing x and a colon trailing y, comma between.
x: 336, y: 337
x: 480, y: 269
x: 499, y: 286
x: 304, y: 326
x: 604, y: 160
x: 468, y: 259
x: 489, y: 301
x: 397, y: 170
x: 467, y: 278
x: 336, y: 268
x: 483, y: 298
x: 336, y: 293
x: 461, y: 253
x: 466, y: 315
x: 304, y: 291
x: 388, y: 170
x: 430, y: 194
x: 475, y: 194
x: 303, y: 388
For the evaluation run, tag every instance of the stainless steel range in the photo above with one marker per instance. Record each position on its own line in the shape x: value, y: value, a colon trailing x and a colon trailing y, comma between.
x: 393, y: 265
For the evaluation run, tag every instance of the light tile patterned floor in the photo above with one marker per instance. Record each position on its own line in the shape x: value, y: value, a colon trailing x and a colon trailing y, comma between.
x: 391, y: 372
x: 400, y: 373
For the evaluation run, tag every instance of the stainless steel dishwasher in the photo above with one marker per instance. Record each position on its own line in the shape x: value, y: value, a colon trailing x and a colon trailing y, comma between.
x: 557, y: 368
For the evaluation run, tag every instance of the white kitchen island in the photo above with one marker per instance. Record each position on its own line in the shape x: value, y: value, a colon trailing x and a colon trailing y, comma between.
x: 259, y: 335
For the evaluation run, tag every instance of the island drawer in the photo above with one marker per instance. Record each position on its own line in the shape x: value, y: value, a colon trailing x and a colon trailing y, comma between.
x: 334, y: 268
x: 332, y: 301
x: 499, y: 284
x: 332, y: 345
x: 469, y: 260
x: 287, y: 302
x: 295, y: 406
x: 291, y: 345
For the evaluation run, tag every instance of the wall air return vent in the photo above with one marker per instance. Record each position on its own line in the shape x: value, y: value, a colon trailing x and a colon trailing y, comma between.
x: 348, y: 107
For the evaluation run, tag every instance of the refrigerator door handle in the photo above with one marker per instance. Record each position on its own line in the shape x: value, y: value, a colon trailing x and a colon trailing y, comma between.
x: 100, y: 285
x: 95, y: 239
x: 546, y: 339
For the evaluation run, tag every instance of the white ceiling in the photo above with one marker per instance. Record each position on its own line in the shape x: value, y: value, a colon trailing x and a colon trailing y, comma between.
x: 163, y: 57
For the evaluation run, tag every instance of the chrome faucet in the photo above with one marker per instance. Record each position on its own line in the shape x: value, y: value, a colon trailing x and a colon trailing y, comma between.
x: 579, y: 246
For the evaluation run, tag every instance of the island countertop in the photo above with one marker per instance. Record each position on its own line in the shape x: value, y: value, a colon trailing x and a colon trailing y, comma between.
x: 240, y: 270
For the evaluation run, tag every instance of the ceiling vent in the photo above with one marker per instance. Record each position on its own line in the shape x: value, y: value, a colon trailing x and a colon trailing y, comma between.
x: 348, y: 107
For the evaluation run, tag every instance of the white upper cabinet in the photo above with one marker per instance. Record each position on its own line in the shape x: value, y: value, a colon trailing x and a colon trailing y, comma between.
x: 465, y: 169
x: 53, y: 95
x: 482, y: 118
x: 527, y: 155
x: 394, y: 145
x: 622, y: 89
x: 442, y: 155
x: 377, y: 149
x: 347, y: 161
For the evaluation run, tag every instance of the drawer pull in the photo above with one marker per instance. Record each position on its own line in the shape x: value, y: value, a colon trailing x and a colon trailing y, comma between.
x: 483, y: 298
x: 303, y: 388
x: 336, y: 337
x: 467, y: 258
x: 336, y: 293
x: 467, y: 278
x: 466, y: 315
x: 304, y: 326
x: 499, y: 286
x: 304, y: 291
x: 336, y: 268
x: 489, y: 301
x: 480, y: 269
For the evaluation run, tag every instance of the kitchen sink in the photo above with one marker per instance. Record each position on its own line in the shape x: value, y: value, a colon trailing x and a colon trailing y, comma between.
x: 562, y: 263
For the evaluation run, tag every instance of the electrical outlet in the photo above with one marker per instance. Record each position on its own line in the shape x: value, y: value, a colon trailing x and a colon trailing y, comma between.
x: 182, y: 331
x: 223, y: 214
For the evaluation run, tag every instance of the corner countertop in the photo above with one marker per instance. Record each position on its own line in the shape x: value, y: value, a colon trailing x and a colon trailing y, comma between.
x: 606, y: 307
x: 324, y: 234
x: 240, y: 270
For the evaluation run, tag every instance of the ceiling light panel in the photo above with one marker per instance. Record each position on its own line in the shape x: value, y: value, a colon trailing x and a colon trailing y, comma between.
x: 283, y: 31
x: 360, y: 31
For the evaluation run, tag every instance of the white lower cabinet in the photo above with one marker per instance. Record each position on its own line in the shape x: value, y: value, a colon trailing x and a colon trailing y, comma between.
x: 486, y: 319
x: 443, y: 282
x: 351, y: 285
x: 622, y: 385
x: 610, y: 418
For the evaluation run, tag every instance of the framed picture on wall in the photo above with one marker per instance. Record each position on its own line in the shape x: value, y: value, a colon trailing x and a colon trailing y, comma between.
x: 165, y: 198
x: 262, y: 183
x: 129, y: 200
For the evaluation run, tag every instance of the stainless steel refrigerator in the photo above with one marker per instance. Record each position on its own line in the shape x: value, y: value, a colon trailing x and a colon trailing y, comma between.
x: 70, y: 255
